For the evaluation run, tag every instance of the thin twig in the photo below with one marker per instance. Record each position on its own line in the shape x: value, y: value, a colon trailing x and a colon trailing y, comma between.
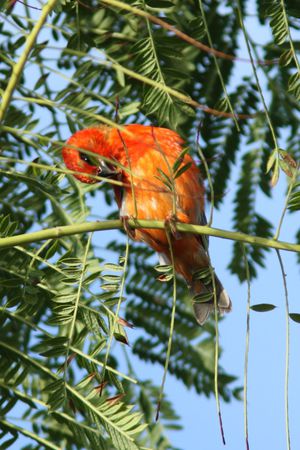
x: 247, y: 348
x: 287, y: 351
x: 180, y: 34
x: 291, y: 186
x: 112, y: 331
x: 216, y: 358
x: 76, y: 304
x: 207, y: 171
x: 132, y: 186
x: 168, y: 355
x: 217, y: 67
x: 240, y: 16
x: 170, y: 175
x: 184, y: 98
x: 18, y: 67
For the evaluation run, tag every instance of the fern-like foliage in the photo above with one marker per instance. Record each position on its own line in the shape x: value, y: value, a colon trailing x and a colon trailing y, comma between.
x: 96, y: 63
x: 148, y: 308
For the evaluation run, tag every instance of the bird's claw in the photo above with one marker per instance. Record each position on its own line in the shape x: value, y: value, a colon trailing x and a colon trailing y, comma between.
x: 128, y: 229
x: 170, y: 223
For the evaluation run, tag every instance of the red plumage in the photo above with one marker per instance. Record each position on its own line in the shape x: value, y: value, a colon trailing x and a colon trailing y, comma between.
x: 143, y: 158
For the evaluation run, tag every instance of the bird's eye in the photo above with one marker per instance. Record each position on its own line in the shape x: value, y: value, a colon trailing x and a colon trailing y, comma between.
x: 88, y: 159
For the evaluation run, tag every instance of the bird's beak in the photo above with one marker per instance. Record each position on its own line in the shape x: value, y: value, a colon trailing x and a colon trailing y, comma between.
x: 106, y: 170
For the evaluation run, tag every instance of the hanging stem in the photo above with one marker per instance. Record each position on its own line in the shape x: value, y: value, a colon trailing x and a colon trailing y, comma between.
x: 216, y: 369
x: 77, y: 301
x: 130, y: 173
x: 210, y: 183
x: 247, y: 347
x: 291, y: 186
x: 116, y: 316
x: 218, y: 67
x: 171, y: 326
x: 216, y: 360
x: 287, y: 351
x: 255, y: 75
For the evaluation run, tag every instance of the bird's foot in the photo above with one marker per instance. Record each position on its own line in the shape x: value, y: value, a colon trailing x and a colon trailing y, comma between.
x: 128, y: 229
x: 170, y: 224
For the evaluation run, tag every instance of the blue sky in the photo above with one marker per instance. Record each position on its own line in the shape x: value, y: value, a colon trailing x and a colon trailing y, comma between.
x: 266, y: 382
x: 267, y: 354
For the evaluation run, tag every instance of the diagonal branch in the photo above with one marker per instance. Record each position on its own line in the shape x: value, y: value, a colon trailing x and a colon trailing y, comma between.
x: 178, y: 33
x: 18, y: 67
x: 27, y: 433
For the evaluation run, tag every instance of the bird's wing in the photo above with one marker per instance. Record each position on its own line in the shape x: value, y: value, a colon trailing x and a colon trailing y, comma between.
x: 152, y: 153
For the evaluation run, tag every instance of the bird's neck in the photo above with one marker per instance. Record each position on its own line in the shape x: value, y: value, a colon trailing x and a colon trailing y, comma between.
x: 120, y: 146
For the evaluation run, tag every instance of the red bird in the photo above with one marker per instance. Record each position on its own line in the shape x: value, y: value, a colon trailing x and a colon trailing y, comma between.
x: 160, y: 182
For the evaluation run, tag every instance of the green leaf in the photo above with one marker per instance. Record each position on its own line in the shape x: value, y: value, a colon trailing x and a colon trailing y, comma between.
x: 203, y: 298
x: 120, y: 77
x: 52, y: 249
x: 295, y: 317
x: 161, y: 5
x: 179, y: 160
x: 271, y: 160
x: 41, y: 81
x: 113, y: 267
x: 112, y: 278
x: 163, y: 268
x: 130, y: 108
x: 165, y: 277
x: 275, y: 175
x: 90, y: 278
x: 286, y: 57
x: 202, y: 274
x: 263, y: 307
x: 182, y: 169
x: 110, y: 287
x: 165, y: 179
x: 294, y: 81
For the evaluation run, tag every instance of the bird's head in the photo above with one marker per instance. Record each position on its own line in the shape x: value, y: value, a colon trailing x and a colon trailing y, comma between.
x: 87, y: 151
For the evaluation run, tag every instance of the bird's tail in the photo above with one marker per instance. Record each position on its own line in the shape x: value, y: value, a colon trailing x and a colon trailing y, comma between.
x: 203, y: 297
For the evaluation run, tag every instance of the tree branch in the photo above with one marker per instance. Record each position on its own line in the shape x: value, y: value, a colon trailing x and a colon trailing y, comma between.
x: 70, y: 230
x: 18, y: 67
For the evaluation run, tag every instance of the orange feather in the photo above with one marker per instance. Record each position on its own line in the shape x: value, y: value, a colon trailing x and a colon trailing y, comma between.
x: 143, y: 158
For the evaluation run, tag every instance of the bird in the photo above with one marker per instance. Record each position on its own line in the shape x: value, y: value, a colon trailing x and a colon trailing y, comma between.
x: 159, y: 181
